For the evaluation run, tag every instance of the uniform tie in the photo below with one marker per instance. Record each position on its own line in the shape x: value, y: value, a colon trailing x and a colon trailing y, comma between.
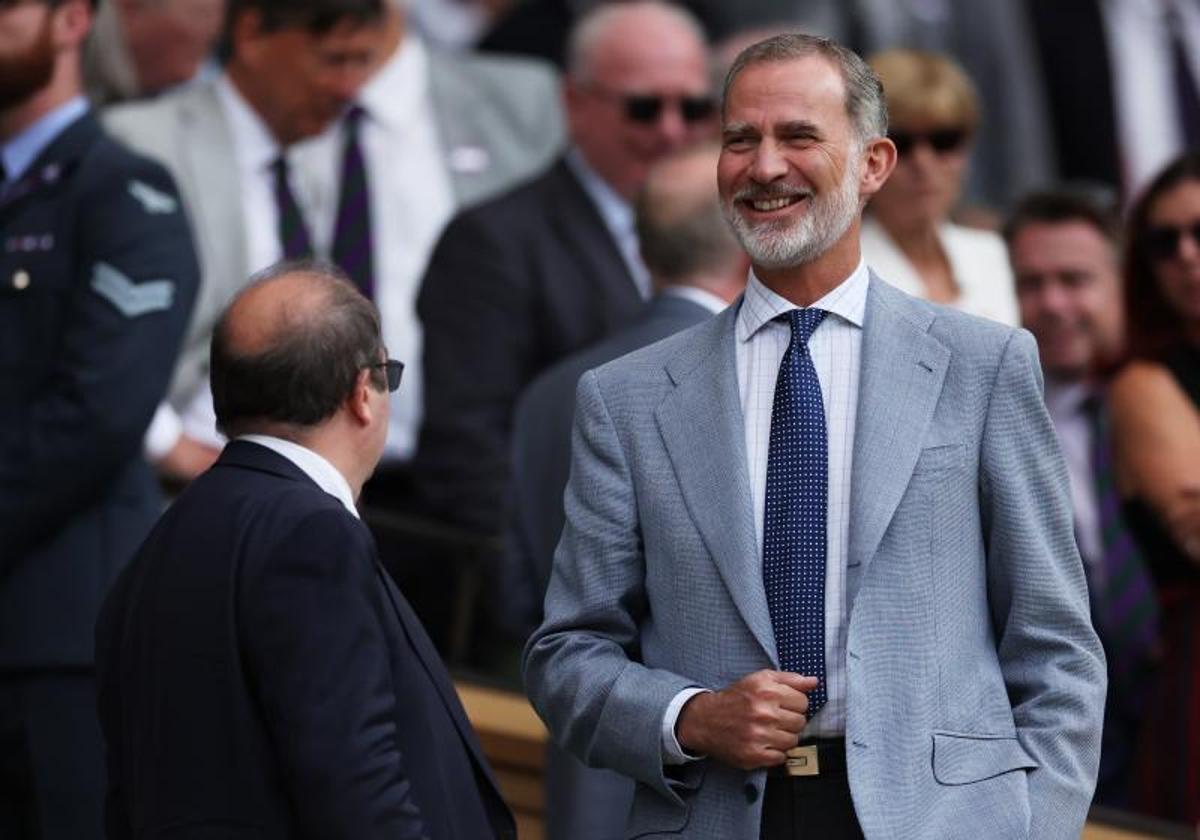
x: 794, y: 519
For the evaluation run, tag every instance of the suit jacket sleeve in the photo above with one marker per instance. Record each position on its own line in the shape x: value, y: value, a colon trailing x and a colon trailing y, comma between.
x: 581, y: 666
x: 475, y: 309
x: 315, y: 647
x: 1049, y: 654
x: 117, y: 347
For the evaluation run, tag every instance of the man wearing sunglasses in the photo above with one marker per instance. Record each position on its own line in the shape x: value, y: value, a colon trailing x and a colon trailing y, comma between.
x: 520, y: 282
x: 258, y: 671
x: 97, y: 278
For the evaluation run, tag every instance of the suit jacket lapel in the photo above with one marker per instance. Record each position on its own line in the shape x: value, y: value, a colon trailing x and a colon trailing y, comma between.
x: 214, y: 192
x: 903, y: 368
x: 702, y: 429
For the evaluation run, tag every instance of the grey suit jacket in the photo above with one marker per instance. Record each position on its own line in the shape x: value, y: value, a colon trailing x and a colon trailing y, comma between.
x: 975, y: 681
x: 499, y: 118
x: 541, y: 454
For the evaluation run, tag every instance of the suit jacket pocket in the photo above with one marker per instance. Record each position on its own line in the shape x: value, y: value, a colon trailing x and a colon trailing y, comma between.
x: 960, y: 758
x: 653, y: 813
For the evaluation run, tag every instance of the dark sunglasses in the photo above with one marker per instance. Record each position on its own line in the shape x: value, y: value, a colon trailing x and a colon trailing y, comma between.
x: 394, y: 371
x: 1162, y: 243
x: 647, y: 108
x: 942, y: 141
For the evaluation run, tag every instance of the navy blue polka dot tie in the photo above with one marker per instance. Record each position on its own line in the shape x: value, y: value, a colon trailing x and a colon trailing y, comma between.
x: 795, y: 511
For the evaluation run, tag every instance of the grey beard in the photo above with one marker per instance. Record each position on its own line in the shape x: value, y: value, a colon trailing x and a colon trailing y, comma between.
x: 778, y: 245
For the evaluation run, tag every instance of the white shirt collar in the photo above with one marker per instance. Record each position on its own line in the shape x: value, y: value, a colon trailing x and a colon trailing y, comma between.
x: 398, y: 89
x: 616, y: 211
x: 324, y: 474
x: 760, y: 305
x: 700, y: 297
x: 256, y: 146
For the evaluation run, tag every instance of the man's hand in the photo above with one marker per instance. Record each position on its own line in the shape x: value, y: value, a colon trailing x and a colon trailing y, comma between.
x: 751, y: 723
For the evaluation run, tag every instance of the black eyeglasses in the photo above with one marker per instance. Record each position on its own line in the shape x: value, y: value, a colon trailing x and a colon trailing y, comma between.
x: 942, y: 141
x: 647, y: 108
x: 1162, y: 241
x: 394, y: 370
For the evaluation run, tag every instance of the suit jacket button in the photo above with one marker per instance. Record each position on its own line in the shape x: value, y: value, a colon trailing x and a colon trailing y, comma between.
x: 20, y: 280
x: 751, y: 791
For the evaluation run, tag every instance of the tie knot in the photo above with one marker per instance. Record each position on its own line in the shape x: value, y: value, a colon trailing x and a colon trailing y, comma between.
x: 353, y: 117
x: 804, y: 322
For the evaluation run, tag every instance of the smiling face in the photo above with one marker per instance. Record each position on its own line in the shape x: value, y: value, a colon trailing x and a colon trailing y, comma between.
x: 792, y: 168
x: 643, y: 52
x: 1068, y: 288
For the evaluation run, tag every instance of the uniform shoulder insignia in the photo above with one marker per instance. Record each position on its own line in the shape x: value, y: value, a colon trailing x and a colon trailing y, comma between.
x: 132, y: 299
x: 155, y: 202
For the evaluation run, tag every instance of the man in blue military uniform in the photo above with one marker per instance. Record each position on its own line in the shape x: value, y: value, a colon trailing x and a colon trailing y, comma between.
x: 97, y: 278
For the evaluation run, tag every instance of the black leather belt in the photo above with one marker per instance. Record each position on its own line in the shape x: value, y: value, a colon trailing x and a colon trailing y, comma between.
x: 816, y: 757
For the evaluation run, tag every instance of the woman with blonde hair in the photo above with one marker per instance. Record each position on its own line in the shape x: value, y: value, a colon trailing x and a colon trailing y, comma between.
x: 907, y: 235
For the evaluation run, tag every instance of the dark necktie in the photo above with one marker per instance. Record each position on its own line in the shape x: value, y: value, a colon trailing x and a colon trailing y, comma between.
x: 1127, y: 602
x: 1187, y: 97
x: 794, y: 516
x: 352, y: 247
x: 293, y: 233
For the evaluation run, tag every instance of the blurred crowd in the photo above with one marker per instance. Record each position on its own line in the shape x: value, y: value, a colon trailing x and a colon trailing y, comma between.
x: 525, y: 189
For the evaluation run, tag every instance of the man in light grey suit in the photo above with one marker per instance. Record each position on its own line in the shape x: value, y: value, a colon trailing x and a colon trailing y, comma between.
x: 491, y: 122
x: 698, y: 269
x: 818, y: 577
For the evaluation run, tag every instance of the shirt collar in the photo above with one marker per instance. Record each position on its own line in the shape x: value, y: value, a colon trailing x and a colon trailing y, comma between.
x: 19, y: 153
x: 700, y: 297
x: 616, y: 211
x: 760, y: 305
x: 324, y: 474
x: 398, y: 90
x: 256, y: 146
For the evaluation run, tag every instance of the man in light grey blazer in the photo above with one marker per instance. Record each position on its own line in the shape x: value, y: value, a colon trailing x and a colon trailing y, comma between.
x: 818, y: 576
x: 498, y: 121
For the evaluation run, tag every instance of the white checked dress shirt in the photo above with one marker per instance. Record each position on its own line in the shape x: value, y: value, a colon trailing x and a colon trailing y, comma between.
x: 836, y: 348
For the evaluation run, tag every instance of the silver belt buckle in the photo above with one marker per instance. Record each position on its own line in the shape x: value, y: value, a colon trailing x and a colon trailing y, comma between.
x: 802, y: 761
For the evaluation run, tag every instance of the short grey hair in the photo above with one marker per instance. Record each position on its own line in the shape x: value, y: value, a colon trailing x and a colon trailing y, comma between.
x: 591, y: 27
x: 865, y: 103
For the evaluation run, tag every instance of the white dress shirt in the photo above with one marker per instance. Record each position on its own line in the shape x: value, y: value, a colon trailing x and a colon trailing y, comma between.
x: 254, y: 150
x: 412, y: 200
x: 324, y: 474
x: 1138, y: 32
x: 1066, y: 404
x: 835, y: 347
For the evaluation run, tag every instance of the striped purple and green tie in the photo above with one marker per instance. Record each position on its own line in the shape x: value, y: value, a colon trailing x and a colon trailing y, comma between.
x: 293, y: 233
x: 352, y: 246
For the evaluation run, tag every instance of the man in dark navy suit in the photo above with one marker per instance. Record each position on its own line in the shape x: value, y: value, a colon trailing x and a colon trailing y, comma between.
x: 259, y: 674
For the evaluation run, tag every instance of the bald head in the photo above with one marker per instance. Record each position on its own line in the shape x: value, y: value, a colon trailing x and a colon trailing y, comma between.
x: 638, y: 87
x: 621, y: 33
x: 682, y: 233
x: 290, y: 347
